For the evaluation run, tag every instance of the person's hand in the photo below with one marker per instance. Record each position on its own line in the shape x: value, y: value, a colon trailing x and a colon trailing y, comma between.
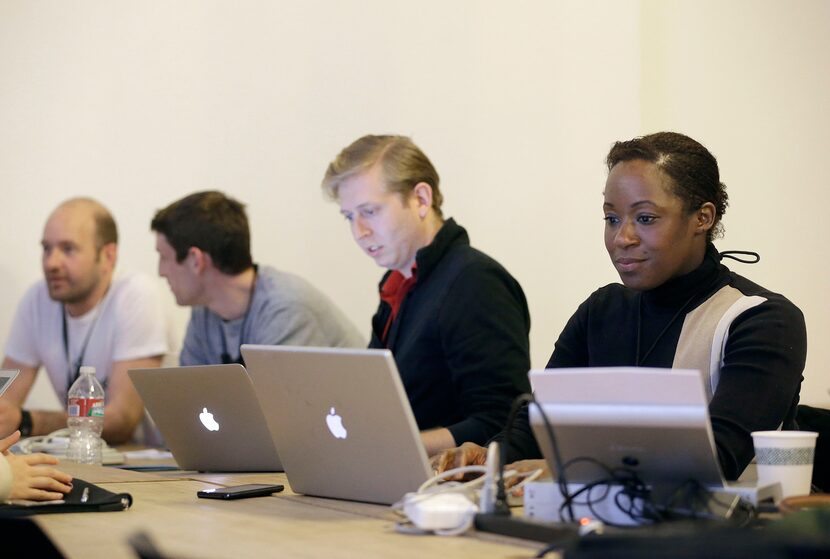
x: 525, y: 467
x: 468, y: 454
x: 34, y: 478
x: 528, y: 466
x: 6, y: 444
x: 10, y: 414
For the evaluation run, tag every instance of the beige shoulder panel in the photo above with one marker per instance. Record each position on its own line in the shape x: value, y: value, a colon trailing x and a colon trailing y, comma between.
x: 705, y: 330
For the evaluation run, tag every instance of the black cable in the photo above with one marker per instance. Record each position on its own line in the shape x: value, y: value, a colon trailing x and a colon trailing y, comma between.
x: 700, y: 502
x: 631, y: 487
x: 501, y: 493
x: 754, y: 257
x: 593, y: 501
x: 501, y: 506
x: 638, y: 494
x: 641, y: 506
x: 689, y: 495
x: 557, y: 457
x: 568, y: 499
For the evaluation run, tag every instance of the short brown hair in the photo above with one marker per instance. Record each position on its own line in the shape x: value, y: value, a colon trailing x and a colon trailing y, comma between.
x: 106, y: 231
x: 403, y: 164
x: 211, y: 222
x: 693, y: 170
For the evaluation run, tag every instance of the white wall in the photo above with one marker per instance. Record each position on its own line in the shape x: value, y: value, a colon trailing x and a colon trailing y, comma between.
x: 138, y: 104
x: 751, y: 79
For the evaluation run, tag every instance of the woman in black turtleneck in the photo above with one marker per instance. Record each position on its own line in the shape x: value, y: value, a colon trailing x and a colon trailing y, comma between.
x: 678, y: 305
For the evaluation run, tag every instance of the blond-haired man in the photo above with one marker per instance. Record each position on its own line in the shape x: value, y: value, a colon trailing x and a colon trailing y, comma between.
x: 456, y: 321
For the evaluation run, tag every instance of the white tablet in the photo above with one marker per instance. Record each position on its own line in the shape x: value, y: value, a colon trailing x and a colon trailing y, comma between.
x: 6, y: 378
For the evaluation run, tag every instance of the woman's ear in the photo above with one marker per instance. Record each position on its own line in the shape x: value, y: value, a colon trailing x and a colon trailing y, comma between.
x: 705, y: 216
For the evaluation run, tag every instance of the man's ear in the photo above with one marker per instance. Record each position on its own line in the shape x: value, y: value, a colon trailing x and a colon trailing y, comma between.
x: 705, y: 216
x: 423, y: 195
x: 198, y: 260
x: 109, y: 253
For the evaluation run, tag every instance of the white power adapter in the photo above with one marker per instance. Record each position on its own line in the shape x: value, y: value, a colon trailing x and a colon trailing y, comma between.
x: 446, y: 512
x: 450, y: 510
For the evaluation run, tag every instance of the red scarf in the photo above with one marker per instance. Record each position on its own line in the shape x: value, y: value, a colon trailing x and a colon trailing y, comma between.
x: 393, y: 292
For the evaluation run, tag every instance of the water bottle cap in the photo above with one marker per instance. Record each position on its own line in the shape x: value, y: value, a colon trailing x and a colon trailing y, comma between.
x: 87, y: 369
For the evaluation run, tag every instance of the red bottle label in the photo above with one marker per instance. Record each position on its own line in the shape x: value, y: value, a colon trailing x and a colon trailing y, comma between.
x: 85, y: 407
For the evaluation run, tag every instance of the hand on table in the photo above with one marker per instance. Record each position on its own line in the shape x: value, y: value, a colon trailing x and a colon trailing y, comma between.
x: 34, y: 478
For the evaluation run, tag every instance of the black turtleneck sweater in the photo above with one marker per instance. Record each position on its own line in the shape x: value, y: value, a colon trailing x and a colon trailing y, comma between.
x: 460, y: 338
x: 762, y: 362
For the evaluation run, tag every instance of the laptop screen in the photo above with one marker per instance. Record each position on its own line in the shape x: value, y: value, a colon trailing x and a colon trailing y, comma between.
x: 652, y: 422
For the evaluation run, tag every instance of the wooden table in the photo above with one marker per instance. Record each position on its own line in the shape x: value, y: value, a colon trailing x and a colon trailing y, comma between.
x: 166, y: 508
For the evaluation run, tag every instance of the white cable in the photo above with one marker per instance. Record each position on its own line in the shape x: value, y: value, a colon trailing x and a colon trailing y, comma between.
x: 426, y: 489
x: 443, y: 516
x: 448, y: 509
x: 461, y: 529
x: 532, y: 475
x: 454, y: 472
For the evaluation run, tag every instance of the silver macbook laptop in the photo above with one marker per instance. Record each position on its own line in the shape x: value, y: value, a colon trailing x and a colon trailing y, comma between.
x: 209, y: 416
x: 341, y: 420
x: 652, y: 421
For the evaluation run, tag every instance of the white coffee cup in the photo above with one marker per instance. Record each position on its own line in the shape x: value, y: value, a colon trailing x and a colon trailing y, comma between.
x: 785, y: 457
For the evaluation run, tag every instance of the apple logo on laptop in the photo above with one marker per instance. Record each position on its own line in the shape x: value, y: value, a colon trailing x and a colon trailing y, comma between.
x: 335, y: 425
x: 207, y: 420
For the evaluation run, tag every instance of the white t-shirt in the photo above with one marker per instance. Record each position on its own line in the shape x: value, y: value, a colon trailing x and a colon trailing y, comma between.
x: 128, y: 323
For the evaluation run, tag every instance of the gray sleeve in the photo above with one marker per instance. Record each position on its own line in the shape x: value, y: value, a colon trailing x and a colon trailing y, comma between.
x: 290, y: 311
x: 289, y: 324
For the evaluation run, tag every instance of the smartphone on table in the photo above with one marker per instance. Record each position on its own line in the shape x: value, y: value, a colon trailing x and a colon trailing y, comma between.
x: 240, y: 491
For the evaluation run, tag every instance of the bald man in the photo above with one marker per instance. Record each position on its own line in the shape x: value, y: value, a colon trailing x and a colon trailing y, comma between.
x: 83, y: 313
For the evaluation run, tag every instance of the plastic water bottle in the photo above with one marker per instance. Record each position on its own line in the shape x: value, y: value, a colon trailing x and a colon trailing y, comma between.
x: 85, y: 410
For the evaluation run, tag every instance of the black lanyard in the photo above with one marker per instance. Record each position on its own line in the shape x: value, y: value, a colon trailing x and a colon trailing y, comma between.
x: 74, y: 369
x: 226, y: 357
x: 641, y: 360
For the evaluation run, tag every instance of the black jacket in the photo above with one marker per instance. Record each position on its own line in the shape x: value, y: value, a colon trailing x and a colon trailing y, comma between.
x: 762, y: 362
x: 460, y: 338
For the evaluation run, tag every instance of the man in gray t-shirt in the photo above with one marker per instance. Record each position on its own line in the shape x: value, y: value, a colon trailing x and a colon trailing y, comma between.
x: 203, y: 241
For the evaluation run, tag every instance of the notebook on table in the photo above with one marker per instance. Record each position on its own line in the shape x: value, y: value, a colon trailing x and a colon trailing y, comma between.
x: 341, y: 421
x: 209, y: 416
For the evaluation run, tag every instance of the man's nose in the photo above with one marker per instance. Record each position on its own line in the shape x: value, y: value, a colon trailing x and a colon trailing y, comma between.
x: 52, y: 259
x: 359, y: 228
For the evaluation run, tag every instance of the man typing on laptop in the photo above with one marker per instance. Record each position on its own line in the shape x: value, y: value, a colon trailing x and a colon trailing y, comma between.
x: 456, y: 321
